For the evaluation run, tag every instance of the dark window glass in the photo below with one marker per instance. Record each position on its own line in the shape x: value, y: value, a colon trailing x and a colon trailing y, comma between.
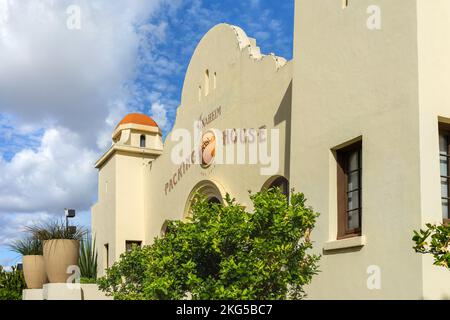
x: 350, y: 191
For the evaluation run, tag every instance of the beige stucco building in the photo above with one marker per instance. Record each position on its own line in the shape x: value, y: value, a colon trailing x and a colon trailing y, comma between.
x: 357, y: 121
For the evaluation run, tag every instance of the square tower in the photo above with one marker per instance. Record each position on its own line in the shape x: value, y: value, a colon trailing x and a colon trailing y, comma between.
x: 118, y: 217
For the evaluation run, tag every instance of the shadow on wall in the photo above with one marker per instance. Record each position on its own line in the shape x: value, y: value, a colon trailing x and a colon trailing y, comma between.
x: 284, y: 114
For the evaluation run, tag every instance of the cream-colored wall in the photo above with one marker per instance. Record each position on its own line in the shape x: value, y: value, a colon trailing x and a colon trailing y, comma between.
x: 252, y: 90
x: 351, y: 82
x: 129, y: 199
x: 103, y: 217
x: 434, y: 102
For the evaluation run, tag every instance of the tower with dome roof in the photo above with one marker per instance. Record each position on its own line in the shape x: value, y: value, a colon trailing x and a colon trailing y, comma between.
x: 136, y: 143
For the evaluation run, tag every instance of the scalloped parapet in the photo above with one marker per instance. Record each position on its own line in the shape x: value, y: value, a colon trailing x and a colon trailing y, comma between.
x: 247, y: 43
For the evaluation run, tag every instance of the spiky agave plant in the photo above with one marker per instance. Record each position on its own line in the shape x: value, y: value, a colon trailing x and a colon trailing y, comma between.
x: 88, y: 259
x: 30, y: 246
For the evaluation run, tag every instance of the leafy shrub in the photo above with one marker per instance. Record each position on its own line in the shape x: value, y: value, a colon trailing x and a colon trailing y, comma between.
x: 439, y: 246
x: 11, y: 284
x: 224, y: 252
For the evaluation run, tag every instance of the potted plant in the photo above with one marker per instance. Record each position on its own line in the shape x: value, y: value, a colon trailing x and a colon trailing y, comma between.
x: 33, y: 261
x: 61, y: 248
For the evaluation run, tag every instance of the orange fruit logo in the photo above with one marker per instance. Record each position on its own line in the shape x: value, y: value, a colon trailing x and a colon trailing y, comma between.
x: 208, y: 149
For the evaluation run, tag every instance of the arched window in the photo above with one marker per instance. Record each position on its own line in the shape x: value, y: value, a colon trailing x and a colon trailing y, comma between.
x: 143, y: 141
x: 278, y: 182
x: 164, y: 229
x: 209, y: 189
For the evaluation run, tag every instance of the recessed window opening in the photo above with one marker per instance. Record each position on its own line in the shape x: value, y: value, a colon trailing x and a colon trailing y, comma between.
x: 207, y: 83
x: 349, y: 179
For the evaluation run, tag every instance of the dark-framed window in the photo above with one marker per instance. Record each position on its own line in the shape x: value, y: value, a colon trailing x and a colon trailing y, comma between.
x: 143, y: 141
x: 349, y: 180
x: 444, y: 158
x: 129, y: 245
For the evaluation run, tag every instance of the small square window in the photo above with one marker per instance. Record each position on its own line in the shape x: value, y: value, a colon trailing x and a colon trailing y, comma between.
x: 131, y: 244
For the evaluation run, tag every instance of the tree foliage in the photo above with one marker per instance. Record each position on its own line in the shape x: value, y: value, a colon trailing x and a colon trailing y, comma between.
x: 224, y: 252
x: 11, y: 284
x: 434, y: 240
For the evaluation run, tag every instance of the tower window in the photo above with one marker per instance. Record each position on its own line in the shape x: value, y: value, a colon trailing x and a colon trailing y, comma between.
x: 215, y: 80
x: 143, y: 141
x: 200, y: 94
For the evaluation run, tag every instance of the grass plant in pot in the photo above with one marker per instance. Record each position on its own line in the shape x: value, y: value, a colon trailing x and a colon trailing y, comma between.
x: 33, y: 261
x: 61, y: 248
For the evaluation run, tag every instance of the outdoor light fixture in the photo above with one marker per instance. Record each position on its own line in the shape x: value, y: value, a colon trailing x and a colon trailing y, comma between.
x: 70, y: 213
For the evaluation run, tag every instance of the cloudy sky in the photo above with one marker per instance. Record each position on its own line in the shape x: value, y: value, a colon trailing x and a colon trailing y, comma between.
x: 65, y: 83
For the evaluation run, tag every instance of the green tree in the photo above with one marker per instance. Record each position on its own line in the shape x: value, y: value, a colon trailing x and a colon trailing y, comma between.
x: 11, y: 284
x: 224, y: 252
x: 434, y: 240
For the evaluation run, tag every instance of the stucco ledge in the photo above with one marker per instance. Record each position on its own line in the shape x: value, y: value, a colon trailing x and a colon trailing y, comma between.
x: 345, y: 243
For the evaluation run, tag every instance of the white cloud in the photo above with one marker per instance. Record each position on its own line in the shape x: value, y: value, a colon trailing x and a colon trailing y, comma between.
x: 62, y: 92
x: 71, y: 78
x: 57, y: 175
x: 159, y: 114
x: 12, y: 225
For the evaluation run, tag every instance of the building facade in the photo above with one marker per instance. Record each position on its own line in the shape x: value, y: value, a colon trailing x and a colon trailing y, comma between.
x: 357, y: 121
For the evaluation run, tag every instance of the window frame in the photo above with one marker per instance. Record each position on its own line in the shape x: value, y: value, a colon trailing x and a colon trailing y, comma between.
x: 132, y: 242
x: 444, y: 129
x: 342, y: 156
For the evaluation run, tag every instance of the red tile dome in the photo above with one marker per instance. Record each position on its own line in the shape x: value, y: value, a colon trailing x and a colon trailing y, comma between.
x: 138, y: 118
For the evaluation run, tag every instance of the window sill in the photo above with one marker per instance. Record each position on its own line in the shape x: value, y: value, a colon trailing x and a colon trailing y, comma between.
x: 345, y: 243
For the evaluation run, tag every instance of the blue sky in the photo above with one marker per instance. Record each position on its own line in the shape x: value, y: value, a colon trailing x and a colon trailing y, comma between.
x: 62, y: 91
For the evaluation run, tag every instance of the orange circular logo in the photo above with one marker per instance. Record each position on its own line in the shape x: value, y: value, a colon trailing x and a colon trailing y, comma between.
x: 208, y: 148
